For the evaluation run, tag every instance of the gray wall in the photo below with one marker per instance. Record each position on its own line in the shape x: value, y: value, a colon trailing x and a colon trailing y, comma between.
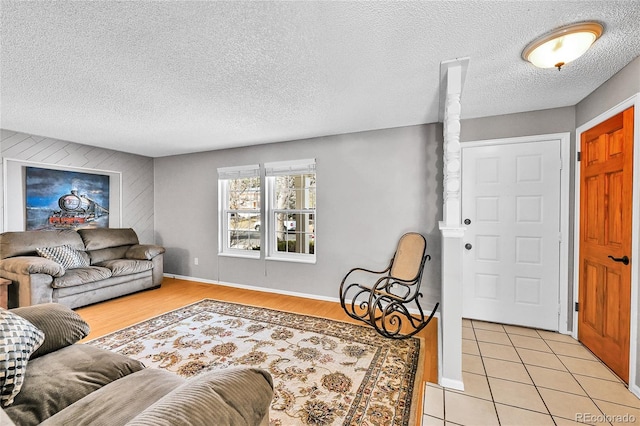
x: 532, y: 123
x: 618, y: 88
x: 137, y: 172
x: 371, y: 188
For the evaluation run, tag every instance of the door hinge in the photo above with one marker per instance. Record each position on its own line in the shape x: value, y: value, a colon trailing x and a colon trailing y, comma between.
x: 579, y: 155
x: 577, y: 306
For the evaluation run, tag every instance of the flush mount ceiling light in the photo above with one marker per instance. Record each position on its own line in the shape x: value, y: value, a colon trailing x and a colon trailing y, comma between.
x: 563, y: 45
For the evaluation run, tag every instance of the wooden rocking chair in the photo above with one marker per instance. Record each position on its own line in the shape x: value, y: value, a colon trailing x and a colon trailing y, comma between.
x: 391, y: 304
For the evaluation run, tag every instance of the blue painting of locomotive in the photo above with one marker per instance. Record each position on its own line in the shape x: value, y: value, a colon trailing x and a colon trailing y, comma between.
x: 60, y: 199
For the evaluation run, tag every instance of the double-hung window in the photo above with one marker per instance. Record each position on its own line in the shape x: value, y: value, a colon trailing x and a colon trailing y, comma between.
x: 291, y: 210
x: 287, y: 222
x: 240, y: 190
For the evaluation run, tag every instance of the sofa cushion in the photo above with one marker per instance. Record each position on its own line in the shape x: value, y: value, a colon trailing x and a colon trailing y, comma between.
x: 59, y: 379
x: 61, y: 326
x: 24, y: 243
x: 99, y: 238
x: 74, y: 277
x: 237, y: 396
x: 144, y: 251
x: 110, y: 253
x: 66, y: 256
x: 26, y: 265
x: 121, y: 267
x: 18, y: 340
x: 119, y: 401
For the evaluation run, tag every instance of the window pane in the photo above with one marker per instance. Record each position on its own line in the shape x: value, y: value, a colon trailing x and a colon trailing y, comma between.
x: 244, y: 194
x: 295, y: 233
x: 244, y: 240
x: 244, y: 221
x: 296, y: 192
x: 244, y: 230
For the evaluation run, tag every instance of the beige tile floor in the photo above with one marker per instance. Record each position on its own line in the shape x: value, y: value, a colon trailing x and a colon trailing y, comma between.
x: 521, y: 376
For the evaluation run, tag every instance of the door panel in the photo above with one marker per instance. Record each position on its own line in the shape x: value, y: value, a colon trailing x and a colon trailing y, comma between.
x: 511, y: 195
x: 614, y: 233
x: 613, y: 291
x: 605, y: 235
x: 591, y: 278
x: 591, y: 214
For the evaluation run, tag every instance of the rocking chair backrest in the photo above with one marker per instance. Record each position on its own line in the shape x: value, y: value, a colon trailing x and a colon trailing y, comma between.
x: 408, y: 258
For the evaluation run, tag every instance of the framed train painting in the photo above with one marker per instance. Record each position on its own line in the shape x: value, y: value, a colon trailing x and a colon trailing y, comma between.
x: 41, y: 196
x: 59, y: 199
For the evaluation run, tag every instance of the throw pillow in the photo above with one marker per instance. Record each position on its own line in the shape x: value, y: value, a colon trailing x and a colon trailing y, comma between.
x: 18, y: 340
x: 66, y: 256
x: 62, y: 326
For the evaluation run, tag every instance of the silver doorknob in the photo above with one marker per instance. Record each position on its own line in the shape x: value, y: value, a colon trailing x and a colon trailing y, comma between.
x: 468, y: 246
x: 467, y: 221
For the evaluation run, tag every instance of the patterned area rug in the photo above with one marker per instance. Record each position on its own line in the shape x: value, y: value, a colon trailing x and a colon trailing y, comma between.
x: 325, y: 372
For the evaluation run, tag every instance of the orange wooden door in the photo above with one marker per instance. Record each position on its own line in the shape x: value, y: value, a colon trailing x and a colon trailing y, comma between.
x: 605, y: 240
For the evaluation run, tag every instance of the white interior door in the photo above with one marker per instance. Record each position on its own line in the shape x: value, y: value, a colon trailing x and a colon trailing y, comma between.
x: 511, y: 208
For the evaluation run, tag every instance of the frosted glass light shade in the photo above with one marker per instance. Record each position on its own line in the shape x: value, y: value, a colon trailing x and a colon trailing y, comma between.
x: 563, y: 45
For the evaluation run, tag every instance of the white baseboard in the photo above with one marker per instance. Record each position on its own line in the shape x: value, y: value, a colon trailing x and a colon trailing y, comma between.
x: 255, y: 288
x: 451, y: 384
x: 635, y: 389
x: 272, y: 290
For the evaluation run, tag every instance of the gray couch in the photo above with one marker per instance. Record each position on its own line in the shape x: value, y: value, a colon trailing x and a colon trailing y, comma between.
x: 78, y: 384
x: 95, y: 265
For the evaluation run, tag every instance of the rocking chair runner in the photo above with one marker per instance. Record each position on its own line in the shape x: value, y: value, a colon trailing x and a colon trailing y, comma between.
x: 391, y: 304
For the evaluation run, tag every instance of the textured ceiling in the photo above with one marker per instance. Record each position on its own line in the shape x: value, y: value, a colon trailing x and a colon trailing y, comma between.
x: 167, y: 77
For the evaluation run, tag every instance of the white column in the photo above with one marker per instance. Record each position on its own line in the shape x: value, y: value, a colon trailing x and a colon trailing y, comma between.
x: 450, y: 366
x: 452, y: 110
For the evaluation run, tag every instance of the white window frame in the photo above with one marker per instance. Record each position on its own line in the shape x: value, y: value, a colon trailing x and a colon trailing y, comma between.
x: 283, y: 168
x: 225, y: 174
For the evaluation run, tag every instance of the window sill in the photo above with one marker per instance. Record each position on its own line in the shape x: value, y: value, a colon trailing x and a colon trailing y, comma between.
x: 241, y: 255
x: 309, y: 260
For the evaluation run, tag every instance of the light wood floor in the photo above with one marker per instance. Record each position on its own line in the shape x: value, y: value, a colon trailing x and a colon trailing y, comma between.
x: 115, y: 314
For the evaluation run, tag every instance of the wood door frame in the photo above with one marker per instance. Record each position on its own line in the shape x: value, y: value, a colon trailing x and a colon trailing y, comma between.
x: 563, y: 279
x: 633, y: 101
